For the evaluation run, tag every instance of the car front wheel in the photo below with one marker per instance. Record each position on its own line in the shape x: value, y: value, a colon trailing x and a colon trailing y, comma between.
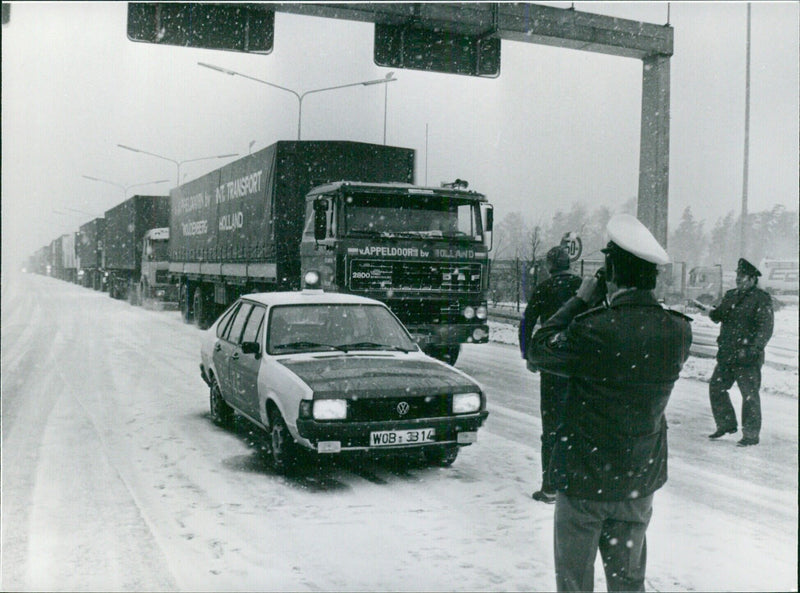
x: 284, y: 450
x: 448, y: 354
x: 221, y: 412
x: 442, y: 456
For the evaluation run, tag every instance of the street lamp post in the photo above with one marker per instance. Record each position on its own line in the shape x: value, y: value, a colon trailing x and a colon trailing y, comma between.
x: 300, y: 96
x: 125, y: 188
x: 385, y: 103
x: 178, y: 163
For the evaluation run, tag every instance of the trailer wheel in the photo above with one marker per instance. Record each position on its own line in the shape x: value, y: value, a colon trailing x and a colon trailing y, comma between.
x: 200, y: 309
x: 185, y: 300
x: 133, y: 294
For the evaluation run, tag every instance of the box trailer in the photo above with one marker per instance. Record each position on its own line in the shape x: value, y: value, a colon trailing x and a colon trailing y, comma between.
x: 125, y: 227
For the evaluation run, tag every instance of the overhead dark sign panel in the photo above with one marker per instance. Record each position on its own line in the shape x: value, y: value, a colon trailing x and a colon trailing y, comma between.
x: 233, y: 27
x: 400, y: 46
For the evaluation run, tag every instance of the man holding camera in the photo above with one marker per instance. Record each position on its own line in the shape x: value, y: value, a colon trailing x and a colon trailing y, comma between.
x: 622, y: 360
x: 547, y: 297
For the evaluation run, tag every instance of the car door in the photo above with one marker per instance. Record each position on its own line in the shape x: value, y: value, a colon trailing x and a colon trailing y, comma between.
x: 221, y: 351
x: 245, y: 366
x: 224, y: 351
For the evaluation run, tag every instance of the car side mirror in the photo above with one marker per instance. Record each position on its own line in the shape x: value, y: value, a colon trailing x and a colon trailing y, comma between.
x: 251, y: 348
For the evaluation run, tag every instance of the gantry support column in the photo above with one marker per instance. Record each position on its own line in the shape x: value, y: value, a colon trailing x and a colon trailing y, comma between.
x: 652, y: 207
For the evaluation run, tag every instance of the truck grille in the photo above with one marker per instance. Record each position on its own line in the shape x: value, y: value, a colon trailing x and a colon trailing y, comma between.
x: 377, y: 275
x: 365, y: 409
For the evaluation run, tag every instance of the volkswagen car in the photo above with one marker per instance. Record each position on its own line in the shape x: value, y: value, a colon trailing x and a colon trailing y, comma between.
x: 328, y: 373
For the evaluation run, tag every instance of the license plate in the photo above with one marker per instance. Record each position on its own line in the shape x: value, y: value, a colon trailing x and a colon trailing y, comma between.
x: 411, y: 436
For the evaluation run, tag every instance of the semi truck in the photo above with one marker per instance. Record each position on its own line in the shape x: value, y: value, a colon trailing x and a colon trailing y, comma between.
x: 89, y: 247
x: 57, y: 259
x: 349, y: 211
x: 125, y: 227
x: 154, y: 280
x: 69, y: 262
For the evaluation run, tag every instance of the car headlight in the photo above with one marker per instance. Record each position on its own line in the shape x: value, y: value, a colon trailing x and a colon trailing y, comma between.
x: 330, y: 409
x: 464, y: 403
x: 481, y: 312
x: 468, y: 312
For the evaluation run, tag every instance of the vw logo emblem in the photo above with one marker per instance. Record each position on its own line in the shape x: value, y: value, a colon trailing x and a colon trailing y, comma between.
x: 402, y: 408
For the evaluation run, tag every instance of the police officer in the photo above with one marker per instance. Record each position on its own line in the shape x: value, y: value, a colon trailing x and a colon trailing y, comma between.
x: 547, y: 297
x: 622, y: 360
x: 747, y: 319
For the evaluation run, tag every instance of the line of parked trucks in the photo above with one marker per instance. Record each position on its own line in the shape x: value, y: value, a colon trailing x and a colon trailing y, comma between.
x: 347, y: 210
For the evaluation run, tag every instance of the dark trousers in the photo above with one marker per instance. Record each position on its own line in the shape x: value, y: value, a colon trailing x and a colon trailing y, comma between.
x: 617, y: 529
x: 749, y: 380
x: 553, y: 395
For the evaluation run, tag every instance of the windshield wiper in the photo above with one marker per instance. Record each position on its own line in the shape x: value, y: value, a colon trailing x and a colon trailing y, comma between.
x: 371, y: 346
x: 304, y: 344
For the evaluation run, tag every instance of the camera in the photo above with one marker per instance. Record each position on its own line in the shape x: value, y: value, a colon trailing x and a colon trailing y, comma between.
x: 602, y: 288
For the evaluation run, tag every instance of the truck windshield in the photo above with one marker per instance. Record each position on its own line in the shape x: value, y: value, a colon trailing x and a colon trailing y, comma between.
x: 158, y: 250
x: 412, y: 216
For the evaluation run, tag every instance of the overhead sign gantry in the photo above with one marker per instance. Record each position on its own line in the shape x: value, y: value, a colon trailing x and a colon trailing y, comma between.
x: 455, y: 38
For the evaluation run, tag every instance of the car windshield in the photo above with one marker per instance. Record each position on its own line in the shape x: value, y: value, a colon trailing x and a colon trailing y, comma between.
x: 420, y: 216
x: 344, y: 327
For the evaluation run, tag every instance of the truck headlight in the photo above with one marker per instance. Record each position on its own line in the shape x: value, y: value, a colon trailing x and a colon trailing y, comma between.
x: 464, y: 403
x: 468, y: 312
x: 330, y: 409
x: 481, y: 312
x: 312, y: 280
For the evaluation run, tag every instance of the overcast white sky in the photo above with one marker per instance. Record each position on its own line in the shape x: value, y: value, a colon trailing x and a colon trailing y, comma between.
x: 557, y: 126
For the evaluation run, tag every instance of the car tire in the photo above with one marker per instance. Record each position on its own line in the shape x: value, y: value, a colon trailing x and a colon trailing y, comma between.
x: 443, y: 455
x: 283, y: 449
x: 221, y: 412
x: 448, y: 354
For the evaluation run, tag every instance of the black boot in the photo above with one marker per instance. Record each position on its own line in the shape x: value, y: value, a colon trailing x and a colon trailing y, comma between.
x: 544, y: 496
x: 747, y: 442
x: 721, y: 432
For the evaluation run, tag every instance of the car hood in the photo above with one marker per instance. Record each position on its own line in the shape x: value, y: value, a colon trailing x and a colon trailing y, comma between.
x: 378, y: 376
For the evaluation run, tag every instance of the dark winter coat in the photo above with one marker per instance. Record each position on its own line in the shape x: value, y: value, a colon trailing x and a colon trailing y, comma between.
x: 622, y: 362
x: 546, y: 299
x: 747, y: 321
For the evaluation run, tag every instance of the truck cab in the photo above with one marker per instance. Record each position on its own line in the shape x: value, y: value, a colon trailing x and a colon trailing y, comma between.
x: 154, y: 282
x: 421, y: 250
x: 705, y: 284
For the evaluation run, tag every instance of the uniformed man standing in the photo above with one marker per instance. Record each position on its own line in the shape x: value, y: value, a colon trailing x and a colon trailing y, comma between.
x: 546, y: 299
x: 622, y: 360
x: 747, y: 319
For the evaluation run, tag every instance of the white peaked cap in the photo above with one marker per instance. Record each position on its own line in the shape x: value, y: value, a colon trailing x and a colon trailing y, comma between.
x: 631, y: 235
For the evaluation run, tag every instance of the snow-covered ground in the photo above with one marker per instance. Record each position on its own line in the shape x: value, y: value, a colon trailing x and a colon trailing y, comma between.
x: 115, y: 479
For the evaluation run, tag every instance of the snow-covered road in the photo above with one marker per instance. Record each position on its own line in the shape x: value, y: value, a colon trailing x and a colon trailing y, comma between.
x: 114, y: 478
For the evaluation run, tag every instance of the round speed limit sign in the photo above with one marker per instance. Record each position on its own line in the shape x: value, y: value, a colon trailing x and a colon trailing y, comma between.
x: 573, y: 244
